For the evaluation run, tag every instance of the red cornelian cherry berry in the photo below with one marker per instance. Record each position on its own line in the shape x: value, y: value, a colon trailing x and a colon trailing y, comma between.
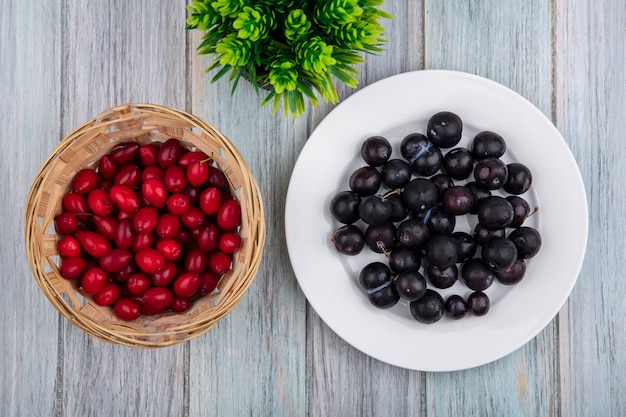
x: 187, y: 285
x: 124, y: 153
x: 85, y: 180
x: 210, y: 201
x: 170, y: 249
x: 108, y: 294
x: 145, y: 220
x: 193, y: 194
x: 229, y: 215
x: 72, y: 268
x: 175, y: 179
x: 208, y: 237
x: 192, y: 218
x: 126, y: 309
x: 208, y: 282
x: 105, y: 225
x: 124, y: 236
x: 115, y: 260
x: 107, y: 168
x: 149, y: 260
x: 219, y: 262
x: 93, y: 243
x: 158, y: 297
x: 142, y: 241
x: 99, y: 202
x: 138, y: 283
x: 218, y: 179
x: 167, y: 226
x: 93, y: 280
x: 195, y: 261
x: 68, y: 247
x: 229, y: 242
x: 181, y: 304
x: 165, y: 276
x: 197, y: 173
x: 66, y: 223
x: 154, y: 192
x: 169, y: 153
x: 154, y: 172
x: 187, y: 159
x: 76, y: 204
x: 178, y: 204
x: 148, y: 154
x: 124, y: 198
x: 128, y: 175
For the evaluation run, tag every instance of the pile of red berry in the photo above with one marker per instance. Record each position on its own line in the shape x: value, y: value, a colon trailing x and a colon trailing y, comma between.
x: 152, y: 228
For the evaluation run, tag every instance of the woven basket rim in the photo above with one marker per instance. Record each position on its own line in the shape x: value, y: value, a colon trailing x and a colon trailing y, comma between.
x: 83, y: 146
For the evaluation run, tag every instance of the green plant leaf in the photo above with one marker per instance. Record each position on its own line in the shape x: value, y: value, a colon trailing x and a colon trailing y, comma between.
x: 229, y: 8
x: 298, y: 49
x: 347, y: 57
x: 291, y: 103
x: 234, y: 51
x: 343, y: 76
x: 307, y: 91
x: 253, y: 23
x: 335, y: 13
x: 297, y: 25
x: 315, y: 55
x: 284, y: 76
x: 221, y: 73
x: 235, y: 76
x: 370, y: 3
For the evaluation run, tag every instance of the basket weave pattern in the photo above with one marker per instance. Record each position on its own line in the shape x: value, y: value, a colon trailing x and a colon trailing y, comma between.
x: 84, y: 147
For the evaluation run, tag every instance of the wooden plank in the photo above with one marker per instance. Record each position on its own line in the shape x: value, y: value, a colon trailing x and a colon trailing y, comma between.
x: 29, y: 127
x: 345, y: 381
x: 118, y: 52
x: 510, y: 43
x: 253, y: 362
x: 591, y: 114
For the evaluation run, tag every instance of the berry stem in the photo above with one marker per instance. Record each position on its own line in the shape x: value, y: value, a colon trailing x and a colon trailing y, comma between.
x: 390, y: 193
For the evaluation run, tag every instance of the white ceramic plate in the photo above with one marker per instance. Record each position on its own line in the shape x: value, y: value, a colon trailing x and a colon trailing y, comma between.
x: 394, y: 107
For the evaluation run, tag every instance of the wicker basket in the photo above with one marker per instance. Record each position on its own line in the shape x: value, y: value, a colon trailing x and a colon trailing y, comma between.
x: 83, y: 148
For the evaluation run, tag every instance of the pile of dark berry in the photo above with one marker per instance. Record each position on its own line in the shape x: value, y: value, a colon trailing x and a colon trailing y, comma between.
x: 406, y: 208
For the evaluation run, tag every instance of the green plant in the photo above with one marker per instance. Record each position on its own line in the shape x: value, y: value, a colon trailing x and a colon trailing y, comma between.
x: 296, y: 49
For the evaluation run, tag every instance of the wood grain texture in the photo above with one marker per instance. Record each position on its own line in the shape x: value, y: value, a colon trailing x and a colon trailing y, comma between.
x: 29, y: 128
x: 119, y: 52
x: 591, y: 114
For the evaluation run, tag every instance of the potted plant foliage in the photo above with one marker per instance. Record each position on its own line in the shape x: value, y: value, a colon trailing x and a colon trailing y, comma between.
x: 295, y: 49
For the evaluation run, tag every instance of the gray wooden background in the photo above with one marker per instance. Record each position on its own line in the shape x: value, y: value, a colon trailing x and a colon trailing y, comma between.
x: 65, y: 61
